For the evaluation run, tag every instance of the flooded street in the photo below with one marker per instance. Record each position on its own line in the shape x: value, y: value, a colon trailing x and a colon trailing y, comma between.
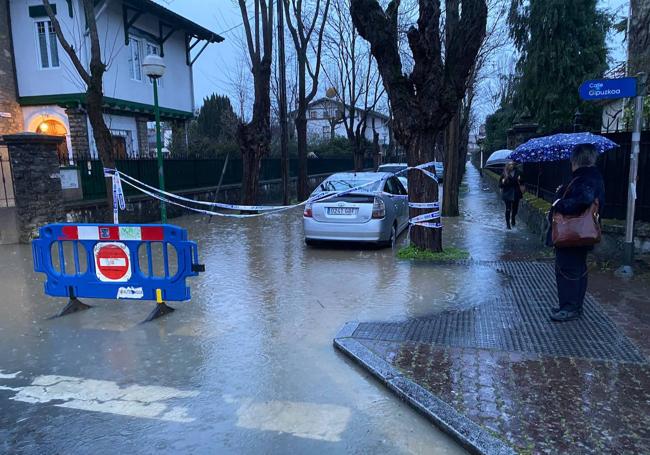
x: 246, y: 366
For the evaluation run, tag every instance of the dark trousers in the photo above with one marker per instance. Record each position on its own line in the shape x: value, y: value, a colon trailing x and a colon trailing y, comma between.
x: 571, y: 277
x: 512, y: 207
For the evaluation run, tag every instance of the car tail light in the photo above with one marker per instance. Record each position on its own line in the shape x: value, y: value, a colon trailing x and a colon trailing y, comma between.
x: 307, y: 213
x: 378, y: 208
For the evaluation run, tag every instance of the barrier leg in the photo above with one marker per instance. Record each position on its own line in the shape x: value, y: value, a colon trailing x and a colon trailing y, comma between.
x: 161, y: 308
x: 73, y: 305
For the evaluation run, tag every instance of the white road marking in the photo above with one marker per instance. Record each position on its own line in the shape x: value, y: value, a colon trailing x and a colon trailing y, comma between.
x: 323, y: 422
x: 9, y: 375
x: 105, y: 396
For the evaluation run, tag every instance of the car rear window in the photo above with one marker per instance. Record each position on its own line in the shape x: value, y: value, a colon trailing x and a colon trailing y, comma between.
x: 346, y: 184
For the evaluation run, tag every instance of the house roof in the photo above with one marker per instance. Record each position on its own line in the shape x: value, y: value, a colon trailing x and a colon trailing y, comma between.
x: 149, y: 6
x: 329, y: 100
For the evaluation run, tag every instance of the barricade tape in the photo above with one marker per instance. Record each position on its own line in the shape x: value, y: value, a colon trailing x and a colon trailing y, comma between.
x: 424, y: 205
x: 171, y: 198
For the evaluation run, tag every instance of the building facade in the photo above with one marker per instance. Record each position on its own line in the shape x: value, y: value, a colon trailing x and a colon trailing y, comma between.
x: 324, y: 122
x: 49, y: 95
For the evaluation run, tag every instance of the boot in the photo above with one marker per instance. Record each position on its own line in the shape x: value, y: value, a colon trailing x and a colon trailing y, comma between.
x: 508, y: 220
x: 514, y: 221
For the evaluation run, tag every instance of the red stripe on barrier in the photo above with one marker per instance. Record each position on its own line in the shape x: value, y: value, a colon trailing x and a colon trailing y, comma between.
x: 69, y: 233
x: 152, y: 233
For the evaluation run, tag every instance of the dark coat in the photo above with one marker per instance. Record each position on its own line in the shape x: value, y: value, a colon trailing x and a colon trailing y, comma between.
x: 587, y: 186
x: 509, y: 185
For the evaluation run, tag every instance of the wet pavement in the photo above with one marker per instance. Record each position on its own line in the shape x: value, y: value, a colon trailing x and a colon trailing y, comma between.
x: 247, y: 366
x: 494, y: 371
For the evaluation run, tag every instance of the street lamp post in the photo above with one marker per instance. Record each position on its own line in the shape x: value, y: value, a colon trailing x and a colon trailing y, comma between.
x: 154, y: 67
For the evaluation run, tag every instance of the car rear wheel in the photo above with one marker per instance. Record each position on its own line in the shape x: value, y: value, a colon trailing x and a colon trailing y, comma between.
x: 393, y: 237
x: 310, y: 242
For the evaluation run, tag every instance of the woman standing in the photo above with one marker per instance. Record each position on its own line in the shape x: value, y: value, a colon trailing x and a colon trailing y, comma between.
x: 571, y: 270
x: 511, y: 183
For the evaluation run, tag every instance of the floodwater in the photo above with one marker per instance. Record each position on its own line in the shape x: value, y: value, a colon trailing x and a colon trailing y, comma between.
x: 246, y: 366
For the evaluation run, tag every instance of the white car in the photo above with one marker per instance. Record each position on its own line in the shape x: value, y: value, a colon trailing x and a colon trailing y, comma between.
x: 376, y: 211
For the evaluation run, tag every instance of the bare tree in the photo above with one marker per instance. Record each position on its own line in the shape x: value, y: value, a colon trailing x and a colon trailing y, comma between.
x: 93, y: 79
x: 353, y: 74
x: 425, y: 100
x: 456, y: 139
x: 303, y: 25
x: 255, y: 136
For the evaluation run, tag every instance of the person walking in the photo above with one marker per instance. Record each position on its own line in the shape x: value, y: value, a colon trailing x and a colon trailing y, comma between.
x: 511, y: 185
x: 571, y: 273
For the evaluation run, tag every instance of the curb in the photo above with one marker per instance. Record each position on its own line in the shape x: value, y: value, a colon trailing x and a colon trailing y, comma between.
x: 470, y: 435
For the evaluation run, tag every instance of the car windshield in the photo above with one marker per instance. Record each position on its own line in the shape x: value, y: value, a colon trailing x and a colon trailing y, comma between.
x: 346, y: 184
x: 392, y: 168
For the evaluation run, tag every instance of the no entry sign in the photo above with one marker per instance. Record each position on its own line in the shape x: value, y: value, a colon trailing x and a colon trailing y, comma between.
x: 112, y: 262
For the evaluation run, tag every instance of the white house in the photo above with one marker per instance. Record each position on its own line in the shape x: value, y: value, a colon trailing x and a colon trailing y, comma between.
x: 324, y: 114
x: 50, y: 93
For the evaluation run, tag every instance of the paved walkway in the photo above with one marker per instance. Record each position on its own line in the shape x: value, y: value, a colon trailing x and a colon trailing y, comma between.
x: 494, y: 372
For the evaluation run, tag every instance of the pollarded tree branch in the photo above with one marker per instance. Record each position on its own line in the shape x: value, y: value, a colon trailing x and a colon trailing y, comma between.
x: 463, y: 45
x: 65, y: 44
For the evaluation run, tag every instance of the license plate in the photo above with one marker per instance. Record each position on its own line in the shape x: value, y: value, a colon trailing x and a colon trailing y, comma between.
x: 342, y: 210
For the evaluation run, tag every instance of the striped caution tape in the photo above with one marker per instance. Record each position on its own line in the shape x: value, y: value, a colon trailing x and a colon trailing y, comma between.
x: 171, y: 198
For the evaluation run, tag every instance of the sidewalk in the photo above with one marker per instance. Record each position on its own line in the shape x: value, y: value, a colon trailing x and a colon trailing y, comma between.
x: 494, y: 372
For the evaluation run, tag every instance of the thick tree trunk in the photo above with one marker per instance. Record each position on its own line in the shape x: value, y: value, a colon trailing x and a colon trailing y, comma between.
x: 358, y: 154
x: 301, y: 132
x: 251, y: 161
x: 254, y: 138
x: 639, y: 37
x: 423, y: 189
x: 376, y: 151
x: 452, y: 168
x: 103, y: 139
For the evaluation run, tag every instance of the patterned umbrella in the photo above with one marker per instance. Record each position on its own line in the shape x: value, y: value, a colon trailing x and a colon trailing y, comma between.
x: 558, y: 147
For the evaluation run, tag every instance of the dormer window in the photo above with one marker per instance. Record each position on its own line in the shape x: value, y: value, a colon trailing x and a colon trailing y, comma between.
x: 48, y: 49
x: 135, y: 66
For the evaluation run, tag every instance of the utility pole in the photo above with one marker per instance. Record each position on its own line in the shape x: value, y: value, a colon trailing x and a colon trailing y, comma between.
x: 284, y: 134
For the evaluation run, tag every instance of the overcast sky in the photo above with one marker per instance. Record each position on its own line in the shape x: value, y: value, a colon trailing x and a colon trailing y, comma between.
x: 217, y: 68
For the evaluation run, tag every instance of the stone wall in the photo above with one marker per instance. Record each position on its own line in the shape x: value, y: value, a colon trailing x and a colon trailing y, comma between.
x: 77, y: 119
x: 11, y: 117
x: 35, y: 167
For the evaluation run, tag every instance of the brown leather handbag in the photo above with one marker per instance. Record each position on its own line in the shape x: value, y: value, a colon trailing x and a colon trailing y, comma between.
x: 576, y: 230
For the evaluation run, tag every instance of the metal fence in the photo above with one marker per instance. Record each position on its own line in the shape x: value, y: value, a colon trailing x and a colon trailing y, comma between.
x: 190, y: 173
x: 544, y: 178
x: 7, y: 196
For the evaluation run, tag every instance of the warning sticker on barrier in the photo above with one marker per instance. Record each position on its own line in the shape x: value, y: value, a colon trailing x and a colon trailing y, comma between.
x: 112, y: 263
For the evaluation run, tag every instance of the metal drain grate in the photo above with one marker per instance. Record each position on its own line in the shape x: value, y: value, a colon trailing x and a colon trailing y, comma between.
x: 517, y: 320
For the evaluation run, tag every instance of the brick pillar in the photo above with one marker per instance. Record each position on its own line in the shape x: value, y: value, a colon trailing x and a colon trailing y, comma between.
x: 520, y: 132
x: 77, y: 119
x: 35, y: 167
x: 11, y: 117
x: 143, y: 140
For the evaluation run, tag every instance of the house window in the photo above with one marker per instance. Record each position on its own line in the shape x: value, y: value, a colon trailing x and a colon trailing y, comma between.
x: 313, y: 114
x: 135, y: 64
x: 326, y: 132
x: 48, y: 49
